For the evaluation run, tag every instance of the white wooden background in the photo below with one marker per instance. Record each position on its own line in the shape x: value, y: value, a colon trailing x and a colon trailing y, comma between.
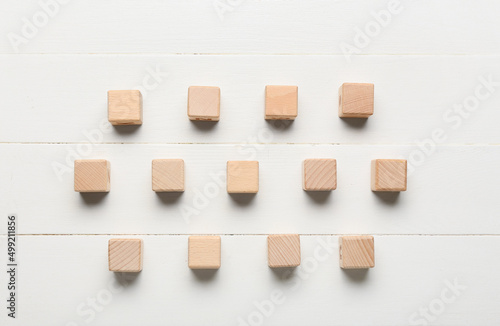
x: 430, y: 59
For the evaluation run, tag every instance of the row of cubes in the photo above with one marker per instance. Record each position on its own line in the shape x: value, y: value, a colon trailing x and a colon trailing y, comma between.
x: 355, y: 101
x: 204, y: 252
x: 243, y: 176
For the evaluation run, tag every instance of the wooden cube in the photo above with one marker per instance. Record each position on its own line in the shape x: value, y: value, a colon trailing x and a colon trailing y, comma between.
x: 356, y: 100
x: 281, y: 102
x: 389, y: 175
x: 283, y: 250
x: 125, y: 255
x: 92, y: 176
x: 319, y: 174
x: 242, y: 177
x: 168, y: 175
x: 204, y: 252
x: 125, y: 107
x: 204, y: 103
x: 357, y: 252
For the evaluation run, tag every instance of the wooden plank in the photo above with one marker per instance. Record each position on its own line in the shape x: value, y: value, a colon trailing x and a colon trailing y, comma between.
x: 66, y: 273
x: 452, y: 191
x: 54, y: 98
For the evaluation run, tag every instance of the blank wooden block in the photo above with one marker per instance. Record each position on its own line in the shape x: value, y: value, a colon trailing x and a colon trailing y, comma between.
x: 204, y: 252
x: 281, y: 102
x: 92, y: 176
x: 357, y: 252
x: 125, y: 107
x: 319, y: 174
x: 389, y: 175
x: 125, y: 255
x: 168, y: 175
x: 242, y: 177
x: 356, y: 100
x: 204, y: 103
x: 283, y: 250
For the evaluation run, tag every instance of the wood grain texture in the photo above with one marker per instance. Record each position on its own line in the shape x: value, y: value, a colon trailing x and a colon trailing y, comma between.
x: 204, y: 252
x: 357, y: 252
x: 283, y: 250
x: 204, y: 103
x: 319, y: 174
x: 333, y: 296
x: 125, y: 255
x: 168, y: 175
x: 242, y: 177
x: 125, y: 107
x: 281, y: 102
x: 92, y: 176
x: 388, y: 175
x: 356, y: 100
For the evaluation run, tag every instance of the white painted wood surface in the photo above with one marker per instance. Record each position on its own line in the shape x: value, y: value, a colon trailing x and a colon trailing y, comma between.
x: 429, y: 60
x: 61, y: 275
x: 61, y: 98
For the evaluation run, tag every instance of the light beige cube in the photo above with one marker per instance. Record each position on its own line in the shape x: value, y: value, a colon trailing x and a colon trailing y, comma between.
x: 357, y: 252
x: 356, y: 100
x: 320, y: 174
x: 388, y: 175
x: 125, y: 255
x: 283, y: 250
x: 204, y: 252
x: 125, y: 107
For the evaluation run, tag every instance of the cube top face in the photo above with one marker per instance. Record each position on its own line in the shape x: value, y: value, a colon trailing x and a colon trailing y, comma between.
x: 320, y: 174
x: 242, y: 177
x: 356, y: 100
x: 125, y: 107
x: 388, y: 175
x: 283, y: 250
x: 204, y: 252
x: 92, y: 176
x: 204, y: 103
x: 281, y: 102
x: 357, y: 252
x: 125, y: 255
x: 168, y: 175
